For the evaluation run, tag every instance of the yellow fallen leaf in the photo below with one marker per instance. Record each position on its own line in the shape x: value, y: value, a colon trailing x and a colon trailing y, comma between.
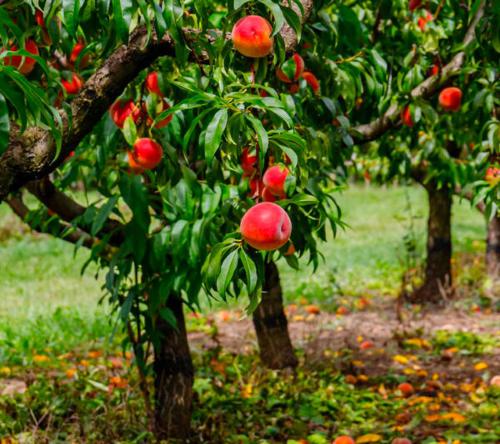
x: 362, y: 378
x: 481, y: 366
x: 432, y: 418
x: 418, y: 342
x: 246, y: 392
x: 408, y: 371
x: 370, y: 437
x: 467, y: 388
x: 358, y: 363
x: 40, y: 358
x: 453, y: 416
x: 400, y: 359
x: 5, y: 371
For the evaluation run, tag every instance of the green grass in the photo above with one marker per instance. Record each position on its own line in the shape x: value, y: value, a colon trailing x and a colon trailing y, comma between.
x: 369, y: 253
x: 40, y: 276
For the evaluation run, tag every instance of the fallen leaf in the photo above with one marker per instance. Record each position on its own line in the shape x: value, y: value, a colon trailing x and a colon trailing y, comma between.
x: 453, y: 416
x: 481, y: 366
x: 40, y: 358
x: 400, y: 359
x: 370, y: 437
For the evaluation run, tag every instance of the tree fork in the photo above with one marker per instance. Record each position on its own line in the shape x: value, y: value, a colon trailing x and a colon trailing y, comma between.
x: 174, y: 376
x: 271, y: 325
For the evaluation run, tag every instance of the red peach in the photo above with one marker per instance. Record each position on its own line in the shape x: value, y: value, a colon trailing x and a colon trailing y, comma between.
x: 134, y: 166
x: 252, y: 36
x: 365, y: 345
x: 39, y: 18
x: 266, y: 226
x: 75, y: 52
x: 415, y: 4
x: 248, y: 161
x: 401, y: 441
x: 422, y: 21
x: 311, y: 80
x: 274, y: 179
x: 492, y: 175
x: 406, y: 117
x: 267, y: 196
x: 344, y: 440
x: 73, y: 86
x: 291, y: 70
x: 293, y: 88
x: 152, y: 84
x: 160, y: 107
x: 28, y: 64
x: 290, y: 250
x: 434, y: 70
x: 147, y: 153
x: 406, y: 389
x: 121, y: 109
x: 450, y: 98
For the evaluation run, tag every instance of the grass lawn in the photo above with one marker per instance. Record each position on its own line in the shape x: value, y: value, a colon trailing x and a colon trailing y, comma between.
x: 43, y: 290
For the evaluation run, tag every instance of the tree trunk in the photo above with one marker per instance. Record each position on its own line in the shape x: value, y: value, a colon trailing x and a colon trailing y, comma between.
x: 271, y: 325
x: 438, y: 265
x: 174, y: 376
x: 493, y: 249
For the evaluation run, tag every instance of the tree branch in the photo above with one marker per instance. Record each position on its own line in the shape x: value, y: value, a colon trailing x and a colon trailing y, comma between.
x: 371, y: 131
x: 69, y: 210
x: 62, y: 230
x: 31, y: 155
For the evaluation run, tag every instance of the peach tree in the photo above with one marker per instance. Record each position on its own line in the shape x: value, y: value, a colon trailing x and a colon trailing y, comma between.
x: 206, y: 138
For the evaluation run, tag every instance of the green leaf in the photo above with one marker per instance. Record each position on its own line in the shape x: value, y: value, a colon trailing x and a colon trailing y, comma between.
x: 102, y: 215
x: 119, y: 20
x: 136, y: 197
x: 239, y: 3
x: 250, y: 271
x: 293, y: 20
x: 4, y: 125
x: 261, y: 134
x: 130, y: 130
x: 227, y: 272
x: 169, y: 316
x: 213, y: 135
x: 279, y: 18
x: 71, y: 10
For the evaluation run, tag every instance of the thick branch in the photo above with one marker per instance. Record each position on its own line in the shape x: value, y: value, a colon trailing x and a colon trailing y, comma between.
x: 31, y: 155
x: 69, y: 210
x: 371, y: 131
x: 61, y: 231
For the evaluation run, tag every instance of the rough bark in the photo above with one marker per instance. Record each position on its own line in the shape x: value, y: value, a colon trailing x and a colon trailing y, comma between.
x: 174, y: 375
x: 493, y: 250
x: 437, y: 281
x: 271, y: 325
x: 373, y: 130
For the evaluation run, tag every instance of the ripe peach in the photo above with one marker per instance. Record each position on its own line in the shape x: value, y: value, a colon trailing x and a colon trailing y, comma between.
x: 406, y: 389
x: 160, y: 107
x: 434, y: 70
x: 290, y: 250
x: 492, y: 175
x: 311, y: 80
x: 495, y: 381
x: 121, y: 109
x: 365, y: 345
x: 422, y: 21
x: 414, y: 4
x: 75, y: 52
x: 267, y: 196
x: 401, y: 441
x: 152, y: 84
x: 252, y: 36
x: 28, y: 64
x: 266, y: 226
x: 291, y: 70
x: 450, y: 98
x: 39, y: 18
x: 406, y: 117
x: 134, y: 166
x: 248, y: 162
x: 73, y: 86
x: 274, y: 179
x: 312, y: 309
x: 147, y: 153
x: 344, y: 440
